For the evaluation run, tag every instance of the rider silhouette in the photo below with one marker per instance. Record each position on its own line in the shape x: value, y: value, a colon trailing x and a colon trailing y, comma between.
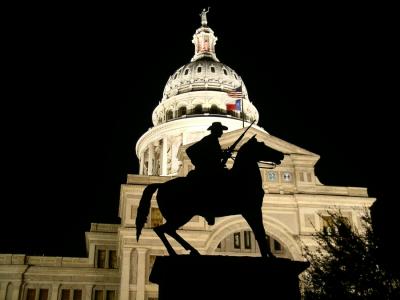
x: 207, y: 156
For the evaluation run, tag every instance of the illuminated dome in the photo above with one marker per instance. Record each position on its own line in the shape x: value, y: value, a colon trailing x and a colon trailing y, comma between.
x: 200, y: 88
x: 204, y: 74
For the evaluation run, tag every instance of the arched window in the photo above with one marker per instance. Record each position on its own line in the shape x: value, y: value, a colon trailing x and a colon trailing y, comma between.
x: 214, y: 109
x: 212, y: 70
x: 225, y: 72
x: 186, y: 71
x: 198, y: 109
x: 198, y: 69
x: 181, y: 111
x: 169, y: 115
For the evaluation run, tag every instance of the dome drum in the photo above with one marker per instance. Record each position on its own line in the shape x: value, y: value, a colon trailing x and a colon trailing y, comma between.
x: 201, y: 104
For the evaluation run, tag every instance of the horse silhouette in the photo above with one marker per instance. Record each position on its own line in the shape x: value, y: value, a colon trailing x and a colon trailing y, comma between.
x: 240, y: 192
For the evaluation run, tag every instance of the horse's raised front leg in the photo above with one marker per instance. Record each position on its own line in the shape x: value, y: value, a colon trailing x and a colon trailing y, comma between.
x: 254, y: 219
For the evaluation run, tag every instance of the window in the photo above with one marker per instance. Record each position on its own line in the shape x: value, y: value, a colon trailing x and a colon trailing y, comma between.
x: 181, y: 111
x: 236, y: 240
x: 156, y: 217
x: 198, y: 109
x: 301, y: 175
x: 169, y: 115
x: 101, y: 259
x: 214, y: 109
x: 112, y: 260
x: 77, y: 295
x: 98, y: 295
x: 198, y: 69
x: 225, y: 72
x: 287, y: 176
x: 70, y: 294
x: 65, y: 294
x: 277, y: 246
x: 30, y: 294
x: 186, y: 71
x: 308, y: 177
x: 110, y: 295
x: 271, y: 176
x: 212, y: 70
x: 247, y: 239
x: 43, y: 294
x: 105, y: 294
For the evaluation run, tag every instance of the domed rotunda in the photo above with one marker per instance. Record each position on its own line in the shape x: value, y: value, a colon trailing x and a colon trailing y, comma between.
x: 197, y: 94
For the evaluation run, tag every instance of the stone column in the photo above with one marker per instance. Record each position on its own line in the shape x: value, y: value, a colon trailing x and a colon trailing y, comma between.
x: 125, y: 272
x: 88, y: 292
x: 141, y: 161
x: 16, y: 290
x: 141, y: 274
x: 151, y: 160
x: 3, y: 290
x: 164, y: 162
x: 54, y: 291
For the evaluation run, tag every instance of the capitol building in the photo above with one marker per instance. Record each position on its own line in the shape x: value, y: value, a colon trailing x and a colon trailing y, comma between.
x: 117, y: 266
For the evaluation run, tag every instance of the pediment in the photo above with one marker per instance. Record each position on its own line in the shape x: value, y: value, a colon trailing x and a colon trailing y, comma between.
x: 262, y: 136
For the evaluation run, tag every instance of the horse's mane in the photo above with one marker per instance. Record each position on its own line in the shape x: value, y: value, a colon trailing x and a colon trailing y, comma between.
x: 242, y: 155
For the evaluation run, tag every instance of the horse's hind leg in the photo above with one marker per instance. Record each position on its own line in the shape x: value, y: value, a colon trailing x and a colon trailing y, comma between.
x: 166, y: 228
x: 185, y: 244
x: 160, y: 231
x: 256, y: 223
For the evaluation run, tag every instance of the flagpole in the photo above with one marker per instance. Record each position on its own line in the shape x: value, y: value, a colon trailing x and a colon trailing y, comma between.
x: 241, y: 99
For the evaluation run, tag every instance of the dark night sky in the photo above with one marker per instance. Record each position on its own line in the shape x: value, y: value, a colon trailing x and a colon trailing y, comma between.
x: 80, y: 84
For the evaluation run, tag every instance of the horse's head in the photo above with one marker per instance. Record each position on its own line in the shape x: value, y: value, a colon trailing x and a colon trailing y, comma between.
x: 258, y: 151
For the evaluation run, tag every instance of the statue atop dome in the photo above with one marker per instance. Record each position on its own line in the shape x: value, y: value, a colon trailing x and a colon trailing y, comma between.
x: 203, y: 16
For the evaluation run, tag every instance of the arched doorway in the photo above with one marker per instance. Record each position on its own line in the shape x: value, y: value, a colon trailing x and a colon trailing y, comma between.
x: 231, y: 230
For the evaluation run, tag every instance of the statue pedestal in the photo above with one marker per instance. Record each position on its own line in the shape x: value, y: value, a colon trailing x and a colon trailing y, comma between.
x: 226, y: 277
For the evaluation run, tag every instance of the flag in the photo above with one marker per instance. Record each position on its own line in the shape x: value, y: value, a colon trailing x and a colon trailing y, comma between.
x: 236, y: 93
x: 234, y: 105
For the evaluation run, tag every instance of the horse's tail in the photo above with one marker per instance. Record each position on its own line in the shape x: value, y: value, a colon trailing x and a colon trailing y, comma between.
x: 144, y: 207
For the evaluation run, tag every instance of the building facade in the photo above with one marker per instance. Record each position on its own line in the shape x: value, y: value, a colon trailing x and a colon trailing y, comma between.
x: 295, y: 204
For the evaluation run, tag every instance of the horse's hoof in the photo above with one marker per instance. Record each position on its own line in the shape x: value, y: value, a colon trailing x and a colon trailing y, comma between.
x: 269, y: 256
x: 195, y: 253
x: 172, y: 253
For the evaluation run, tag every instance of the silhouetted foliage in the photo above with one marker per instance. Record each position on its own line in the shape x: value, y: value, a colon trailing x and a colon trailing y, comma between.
x: 346, y: 264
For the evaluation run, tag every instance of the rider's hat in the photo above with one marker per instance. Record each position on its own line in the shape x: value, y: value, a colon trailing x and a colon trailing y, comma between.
x: 217, y: 125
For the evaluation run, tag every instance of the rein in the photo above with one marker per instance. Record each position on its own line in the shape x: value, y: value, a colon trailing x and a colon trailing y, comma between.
x: 268, y: 164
